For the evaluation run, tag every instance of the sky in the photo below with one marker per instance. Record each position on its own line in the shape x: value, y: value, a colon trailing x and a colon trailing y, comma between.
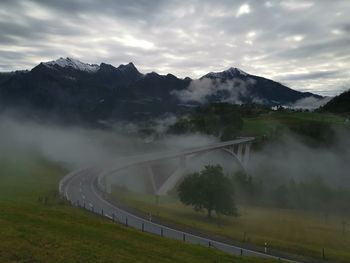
x: 304, y: 44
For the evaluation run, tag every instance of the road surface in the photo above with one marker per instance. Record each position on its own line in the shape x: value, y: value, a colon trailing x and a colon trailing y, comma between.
x: 80, y: 188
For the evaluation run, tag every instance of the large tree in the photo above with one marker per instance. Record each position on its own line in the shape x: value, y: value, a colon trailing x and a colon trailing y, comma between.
x: 209, y: 189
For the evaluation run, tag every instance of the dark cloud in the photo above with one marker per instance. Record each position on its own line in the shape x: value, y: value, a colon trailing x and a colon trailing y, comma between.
x: 137, y: 9
x: 314, y: 75
x: 319, y: 47
x: 304, y: 43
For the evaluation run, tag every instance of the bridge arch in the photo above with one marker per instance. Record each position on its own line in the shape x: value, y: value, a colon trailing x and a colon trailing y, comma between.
x: 240, y: 154
x: 239, y: 149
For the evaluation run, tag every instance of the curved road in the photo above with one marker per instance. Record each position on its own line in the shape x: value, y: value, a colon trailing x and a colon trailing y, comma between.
x: 80, y: 188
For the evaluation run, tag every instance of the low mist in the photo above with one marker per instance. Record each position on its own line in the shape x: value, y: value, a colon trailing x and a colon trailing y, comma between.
x: 290, y: 158
x: 76, y: 147
x: 202, y: 89
x: 73, y: 147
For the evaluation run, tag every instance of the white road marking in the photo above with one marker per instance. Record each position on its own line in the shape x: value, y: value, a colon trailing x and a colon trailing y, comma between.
x: 164, y: 227
x: 181, y: 232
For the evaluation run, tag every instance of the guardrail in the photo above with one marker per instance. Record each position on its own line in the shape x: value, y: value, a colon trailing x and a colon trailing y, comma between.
x: 105, y: 208
x: 118, y: 215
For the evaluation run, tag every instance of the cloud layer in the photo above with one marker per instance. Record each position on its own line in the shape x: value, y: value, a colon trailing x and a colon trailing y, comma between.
x: 303, y: 43
x: 200, y: 90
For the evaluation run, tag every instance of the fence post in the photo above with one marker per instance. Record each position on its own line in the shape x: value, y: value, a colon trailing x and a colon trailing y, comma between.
x: 241, y: 252
x: 143, y: 227
x: 209, y: 244
x: 183, y: 237
x: 323, y: 254
x: 126, y: 221
x: 102, y: 211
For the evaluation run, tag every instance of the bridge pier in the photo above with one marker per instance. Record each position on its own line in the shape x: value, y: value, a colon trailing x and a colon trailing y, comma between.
x: 246, y: 155
x: 108, y: 184
x: 239, y: 149
x: 239, y: 152
x: 183, y: 161
x: 106, y: 181
x: 150, y: 173
x: 173, y: 178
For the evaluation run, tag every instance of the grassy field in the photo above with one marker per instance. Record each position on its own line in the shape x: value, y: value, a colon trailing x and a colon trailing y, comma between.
x: 34, y: 231
x: 265, y: 124
x: 296, y: 232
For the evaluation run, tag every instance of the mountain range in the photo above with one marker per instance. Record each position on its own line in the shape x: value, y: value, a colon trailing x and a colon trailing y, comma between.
x: 338, y: 104
x: 73, y: 90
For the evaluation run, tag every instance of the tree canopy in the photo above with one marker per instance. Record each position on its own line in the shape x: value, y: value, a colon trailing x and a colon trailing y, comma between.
x: 209, y: 189
x: 219, y: 119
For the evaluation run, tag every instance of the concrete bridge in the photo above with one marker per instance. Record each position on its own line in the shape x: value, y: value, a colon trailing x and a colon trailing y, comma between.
x: 86, y: 188
x: 239, y: 149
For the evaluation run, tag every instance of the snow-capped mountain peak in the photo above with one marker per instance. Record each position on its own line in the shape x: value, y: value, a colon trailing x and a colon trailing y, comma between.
x: 73, y: 63
x: 229, y: 73
x: 237, y: 70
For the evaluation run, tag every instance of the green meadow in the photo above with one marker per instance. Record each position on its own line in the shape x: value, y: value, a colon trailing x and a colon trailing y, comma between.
x: 37, y: 226
x: 297, y: 232
x: 268, y: 123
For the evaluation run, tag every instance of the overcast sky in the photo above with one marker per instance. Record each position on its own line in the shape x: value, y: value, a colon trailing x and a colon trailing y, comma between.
x: 302, y: 43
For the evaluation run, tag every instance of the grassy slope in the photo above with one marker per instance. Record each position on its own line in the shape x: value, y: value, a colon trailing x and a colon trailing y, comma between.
x: 294, y: 231
x: 32, y: 231
x: 265, y: 124
x: 339, y: 104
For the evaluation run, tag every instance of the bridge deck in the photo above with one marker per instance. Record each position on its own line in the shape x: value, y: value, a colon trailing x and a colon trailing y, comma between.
x: 152, y: 157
